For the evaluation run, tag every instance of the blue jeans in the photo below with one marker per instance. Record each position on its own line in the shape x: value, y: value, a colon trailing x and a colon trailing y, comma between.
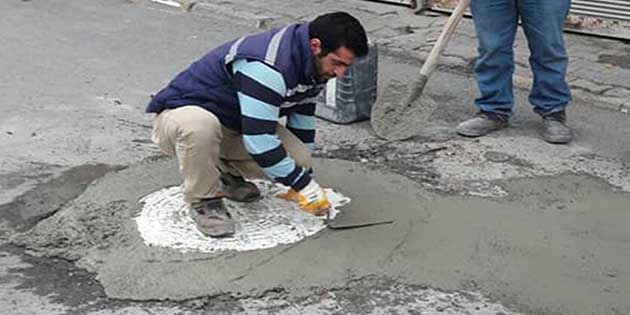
x: 495, y: 24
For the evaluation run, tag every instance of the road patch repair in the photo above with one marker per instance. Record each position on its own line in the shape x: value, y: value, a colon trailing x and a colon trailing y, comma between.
x: 434, y: 246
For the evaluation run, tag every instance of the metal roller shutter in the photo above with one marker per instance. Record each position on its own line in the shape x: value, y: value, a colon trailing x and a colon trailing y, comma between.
x: 610, y: 9
x: 607, y: 18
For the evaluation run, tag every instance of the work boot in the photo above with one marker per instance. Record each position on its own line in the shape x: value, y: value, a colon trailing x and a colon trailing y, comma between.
x: 238, y: 189
x: 212, y: 218
x: 482, y: 124
x: 555, y: 129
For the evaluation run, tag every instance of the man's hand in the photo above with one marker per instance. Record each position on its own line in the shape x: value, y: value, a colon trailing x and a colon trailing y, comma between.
x: 311, y: 198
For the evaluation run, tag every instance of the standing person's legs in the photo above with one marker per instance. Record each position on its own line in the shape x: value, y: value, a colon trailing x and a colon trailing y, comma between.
x: 235, y: 159
x: 193, y: 135
x: 495, y: 25
x: 543, y: 23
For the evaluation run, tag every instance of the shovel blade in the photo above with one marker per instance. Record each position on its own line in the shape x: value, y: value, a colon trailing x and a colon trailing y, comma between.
x: 402, y: 111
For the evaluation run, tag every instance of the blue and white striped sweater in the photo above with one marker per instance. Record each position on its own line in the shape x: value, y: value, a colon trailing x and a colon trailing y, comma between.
x: 210, y: 83
x: 261, y: 92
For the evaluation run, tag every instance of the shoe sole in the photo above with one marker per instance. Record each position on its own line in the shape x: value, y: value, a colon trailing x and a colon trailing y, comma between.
x: 557, y: 141
x: 470, y: 134
x: 216, y: 233
x: 222, y: 228
x: 474, y: 134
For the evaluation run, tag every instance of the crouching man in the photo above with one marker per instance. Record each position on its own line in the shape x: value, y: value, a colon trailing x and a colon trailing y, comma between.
x: 219, y: 117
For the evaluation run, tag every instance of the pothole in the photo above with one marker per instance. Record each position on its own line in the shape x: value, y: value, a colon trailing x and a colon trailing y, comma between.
x: 164, y: 221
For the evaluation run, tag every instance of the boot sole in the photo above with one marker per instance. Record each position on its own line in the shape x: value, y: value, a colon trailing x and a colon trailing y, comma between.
x: 478, y: 133
x: 216, y: 232
x: 558, y: 141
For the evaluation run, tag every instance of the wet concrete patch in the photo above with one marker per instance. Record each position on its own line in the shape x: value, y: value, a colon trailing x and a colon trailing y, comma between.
x: 542, y: 260
x: 546, y: 248
x: 46, y: 198
x: 128, y: 269
x: 95, y: 218
x: 78, y: 228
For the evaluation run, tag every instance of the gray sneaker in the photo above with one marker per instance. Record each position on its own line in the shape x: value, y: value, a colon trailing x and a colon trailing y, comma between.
x: 212, y: 218
x: 482, y: 124
x: 238, y: 189
x: 555, y: 129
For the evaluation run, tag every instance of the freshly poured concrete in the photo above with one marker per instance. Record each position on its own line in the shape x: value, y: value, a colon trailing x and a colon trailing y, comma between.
x: 555, y: 245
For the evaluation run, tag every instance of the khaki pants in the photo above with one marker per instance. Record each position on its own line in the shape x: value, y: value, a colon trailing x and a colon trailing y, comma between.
x: 204, y: 149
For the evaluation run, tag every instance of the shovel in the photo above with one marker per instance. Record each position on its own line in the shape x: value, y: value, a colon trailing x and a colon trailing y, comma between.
x: 394, y: 120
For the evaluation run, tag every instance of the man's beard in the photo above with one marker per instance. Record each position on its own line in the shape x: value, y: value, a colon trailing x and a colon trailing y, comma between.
x: 319, y: 73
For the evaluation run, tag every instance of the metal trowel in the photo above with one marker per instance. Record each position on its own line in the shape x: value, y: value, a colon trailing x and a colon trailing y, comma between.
x: 331, y: 224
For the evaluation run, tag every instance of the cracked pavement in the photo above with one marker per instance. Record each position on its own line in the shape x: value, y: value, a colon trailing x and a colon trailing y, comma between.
x: 505, y: 224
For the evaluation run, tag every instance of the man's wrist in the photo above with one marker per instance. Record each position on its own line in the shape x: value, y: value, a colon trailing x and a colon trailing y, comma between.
x: 303, y: 180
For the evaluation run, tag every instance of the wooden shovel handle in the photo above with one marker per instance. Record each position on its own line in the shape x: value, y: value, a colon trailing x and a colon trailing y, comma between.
x: 431, y: 63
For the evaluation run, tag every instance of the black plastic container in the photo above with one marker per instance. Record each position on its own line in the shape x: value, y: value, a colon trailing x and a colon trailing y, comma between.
x: 350, y: 99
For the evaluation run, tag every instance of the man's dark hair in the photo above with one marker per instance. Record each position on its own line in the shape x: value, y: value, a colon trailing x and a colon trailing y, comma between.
x: 339, y: 29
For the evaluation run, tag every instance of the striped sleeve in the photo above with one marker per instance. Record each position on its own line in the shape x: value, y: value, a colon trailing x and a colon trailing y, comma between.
x: 302, y: 124
x: 260, y: 90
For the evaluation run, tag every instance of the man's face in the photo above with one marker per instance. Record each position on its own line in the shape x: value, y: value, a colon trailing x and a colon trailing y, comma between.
x: 332, y: 65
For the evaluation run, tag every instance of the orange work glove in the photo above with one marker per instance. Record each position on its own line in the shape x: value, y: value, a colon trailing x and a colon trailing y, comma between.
x: 311, y: 198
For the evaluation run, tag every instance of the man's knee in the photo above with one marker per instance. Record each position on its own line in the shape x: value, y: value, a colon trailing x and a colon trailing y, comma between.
x: 196, y: 125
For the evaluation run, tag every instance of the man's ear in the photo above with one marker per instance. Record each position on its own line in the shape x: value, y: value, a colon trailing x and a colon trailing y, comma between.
x: 316, y: 46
